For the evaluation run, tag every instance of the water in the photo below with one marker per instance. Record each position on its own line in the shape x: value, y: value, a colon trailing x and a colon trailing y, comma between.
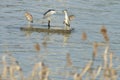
x: 90, y: 15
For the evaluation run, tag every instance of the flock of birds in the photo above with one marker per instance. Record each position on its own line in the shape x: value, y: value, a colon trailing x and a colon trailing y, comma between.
x: 47, y: 15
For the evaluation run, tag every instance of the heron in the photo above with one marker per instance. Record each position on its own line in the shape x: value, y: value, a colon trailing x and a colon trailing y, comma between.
x: 29, y: 17
x: 66, y: 20
x: 47, y: 15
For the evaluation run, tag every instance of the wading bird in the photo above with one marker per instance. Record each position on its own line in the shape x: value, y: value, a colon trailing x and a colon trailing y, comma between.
x: 48, y: 14
x: 29, y: 17
x: 66, y: 20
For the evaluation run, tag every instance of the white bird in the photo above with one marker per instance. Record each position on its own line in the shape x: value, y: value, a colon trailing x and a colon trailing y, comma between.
x: 66, y: 20
x: 47, y: 15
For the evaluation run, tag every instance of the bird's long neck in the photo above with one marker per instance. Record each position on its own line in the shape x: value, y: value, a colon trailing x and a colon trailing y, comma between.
x: 66, y: 15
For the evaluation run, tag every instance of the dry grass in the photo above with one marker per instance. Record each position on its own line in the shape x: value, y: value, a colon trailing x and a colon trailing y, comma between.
x: 104, y: 71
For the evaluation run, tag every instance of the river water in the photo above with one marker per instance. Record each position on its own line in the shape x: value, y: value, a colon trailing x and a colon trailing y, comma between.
x: 90, y: 15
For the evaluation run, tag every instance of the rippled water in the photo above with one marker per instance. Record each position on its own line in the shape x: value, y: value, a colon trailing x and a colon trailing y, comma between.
x: 90, y: 15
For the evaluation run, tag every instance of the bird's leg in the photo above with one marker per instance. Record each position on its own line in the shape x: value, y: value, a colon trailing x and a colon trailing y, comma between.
x: 48, y: 24
x: 67, y: 26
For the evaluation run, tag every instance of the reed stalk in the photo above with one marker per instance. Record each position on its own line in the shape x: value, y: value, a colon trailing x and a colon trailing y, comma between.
x: 84, y: 36
x: 68, y: 60
x: 104, y: 33
x: 37, y: 47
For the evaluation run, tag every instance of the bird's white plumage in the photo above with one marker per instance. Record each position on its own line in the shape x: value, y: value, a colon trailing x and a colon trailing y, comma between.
x: 66, y: 20
x: 49, y: 13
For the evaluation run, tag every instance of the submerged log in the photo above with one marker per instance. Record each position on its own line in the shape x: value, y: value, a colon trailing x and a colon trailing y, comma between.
x: 59, y: 31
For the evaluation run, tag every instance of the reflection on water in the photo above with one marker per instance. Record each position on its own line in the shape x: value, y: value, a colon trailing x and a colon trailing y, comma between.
x: 65, y: 38
x: 89, y: 16
x: 46, y: 36
x: 28, y: 33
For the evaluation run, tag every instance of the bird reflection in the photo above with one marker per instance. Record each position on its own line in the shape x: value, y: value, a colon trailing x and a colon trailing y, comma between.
x: 65, y: 38
x: 46, y: 38
x: 28, y: 32
x: 44, y: 43
x: 47, y: 35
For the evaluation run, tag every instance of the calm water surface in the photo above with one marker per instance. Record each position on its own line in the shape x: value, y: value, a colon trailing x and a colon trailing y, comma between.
x: 90, y: 15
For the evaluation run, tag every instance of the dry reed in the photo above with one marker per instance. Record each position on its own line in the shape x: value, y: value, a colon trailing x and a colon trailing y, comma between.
x: 104, y: 33
x: 77, y: 76
x: 68, y: 60
x: 111, y: 59
x: 95, y: 49
x: 44, y: 73
x: 37, y: 47
x: 41, y: 71
x: 12, y: 70
x: 105, y: 57
x: 35, y: 69
x: 84, y: 36
x: 98, y: 71
x: 86, y: 68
